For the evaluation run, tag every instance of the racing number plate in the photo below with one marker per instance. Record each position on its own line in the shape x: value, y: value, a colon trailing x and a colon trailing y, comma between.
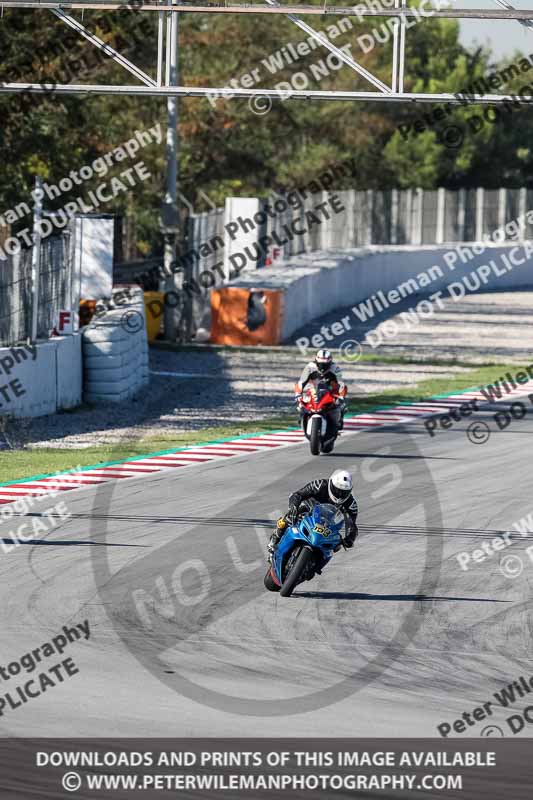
x: 321, y: 529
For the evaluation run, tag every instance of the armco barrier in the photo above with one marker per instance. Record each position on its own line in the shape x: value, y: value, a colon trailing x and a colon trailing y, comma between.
x: 316, y: 283
x: 115, y: 353
x: 41, y: 379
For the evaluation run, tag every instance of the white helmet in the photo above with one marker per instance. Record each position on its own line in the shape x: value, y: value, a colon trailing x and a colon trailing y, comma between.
x: 323, y: 361
x: 340, y: 486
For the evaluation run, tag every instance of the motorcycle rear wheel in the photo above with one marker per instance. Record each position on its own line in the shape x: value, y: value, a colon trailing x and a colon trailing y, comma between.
x: 295, y: 575
x: 314, y: 436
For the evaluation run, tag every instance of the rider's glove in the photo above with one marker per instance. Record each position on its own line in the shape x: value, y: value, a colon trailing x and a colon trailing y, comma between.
x: 291, y: 515
x: 298, y: 399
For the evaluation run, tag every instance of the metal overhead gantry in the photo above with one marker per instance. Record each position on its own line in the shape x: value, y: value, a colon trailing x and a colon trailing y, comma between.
x: 161, y: 84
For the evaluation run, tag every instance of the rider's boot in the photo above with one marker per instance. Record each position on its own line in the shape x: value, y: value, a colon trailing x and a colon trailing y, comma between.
x: 281, y: 527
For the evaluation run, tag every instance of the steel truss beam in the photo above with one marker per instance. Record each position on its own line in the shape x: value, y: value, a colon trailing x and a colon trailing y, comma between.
x: 167, y: 13
x: 324, y: 41
x: 527, y: 23
x: 274, y: 94
x: 105, y: 48
x: 259, y: 8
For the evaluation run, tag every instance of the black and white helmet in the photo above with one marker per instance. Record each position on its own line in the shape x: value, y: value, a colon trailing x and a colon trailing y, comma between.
x: 323, y: 361
x: 340, y: 486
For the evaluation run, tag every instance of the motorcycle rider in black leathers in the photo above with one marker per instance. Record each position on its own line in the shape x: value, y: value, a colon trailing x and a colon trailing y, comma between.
x: 336, y: 490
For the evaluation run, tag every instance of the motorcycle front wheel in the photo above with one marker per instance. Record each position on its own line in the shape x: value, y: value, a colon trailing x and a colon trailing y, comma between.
x: 295, y: 575
x: 314, y: 436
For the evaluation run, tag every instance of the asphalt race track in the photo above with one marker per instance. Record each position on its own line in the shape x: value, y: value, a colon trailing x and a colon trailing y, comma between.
x: 392, y: 640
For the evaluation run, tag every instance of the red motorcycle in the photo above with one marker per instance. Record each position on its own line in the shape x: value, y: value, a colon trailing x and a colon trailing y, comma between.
x: 321, y: 415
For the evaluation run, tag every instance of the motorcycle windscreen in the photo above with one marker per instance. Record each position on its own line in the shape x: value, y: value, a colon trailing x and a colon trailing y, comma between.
x: 327, y: 519
x: 331, y: 516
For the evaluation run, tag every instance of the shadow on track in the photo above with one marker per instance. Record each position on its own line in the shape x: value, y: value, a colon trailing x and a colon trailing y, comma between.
x: 391, y: 455
x: 394, y: 597
x: 65, y: 543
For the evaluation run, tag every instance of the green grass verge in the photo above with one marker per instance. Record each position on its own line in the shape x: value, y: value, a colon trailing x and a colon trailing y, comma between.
x: 19, y: 464
x: 432, y: 387
x: 16, y: 465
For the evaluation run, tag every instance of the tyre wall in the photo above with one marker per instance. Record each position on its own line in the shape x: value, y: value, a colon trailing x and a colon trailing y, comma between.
x: 115, y: 353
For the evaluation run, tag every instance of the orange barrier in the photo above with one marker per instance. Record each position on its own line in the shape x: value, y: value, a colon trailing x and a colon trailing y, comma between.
x: 246, y: 316
x: 154, y: 307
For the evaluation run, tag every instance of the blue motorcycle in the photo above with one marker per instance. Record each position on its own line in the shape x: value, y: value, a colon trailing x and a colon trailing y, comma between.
x: 305, y: 548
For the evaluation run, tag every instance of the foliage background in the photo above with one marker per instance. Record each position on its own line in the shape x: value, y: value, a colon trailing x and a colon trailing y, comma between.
x: 227, y: 149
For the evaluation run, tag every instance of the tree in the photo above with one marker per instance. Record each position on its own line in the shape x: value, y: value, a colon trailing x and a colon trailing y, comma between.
x: 231, y: 146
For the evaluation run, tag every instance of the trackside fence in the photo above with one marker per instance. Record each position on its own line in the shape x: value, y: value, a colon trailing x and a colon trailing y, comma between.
x: 56, y: 276
x: 396, y: 217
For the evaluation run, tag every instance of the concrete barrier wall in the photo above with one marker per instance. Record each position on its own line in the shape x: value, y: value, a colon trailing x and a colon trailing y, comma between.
x: 115, y: 353
x: 41, y: 379
x: 317, y: 283
x: 69, y: 372
x: 47, y: 377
